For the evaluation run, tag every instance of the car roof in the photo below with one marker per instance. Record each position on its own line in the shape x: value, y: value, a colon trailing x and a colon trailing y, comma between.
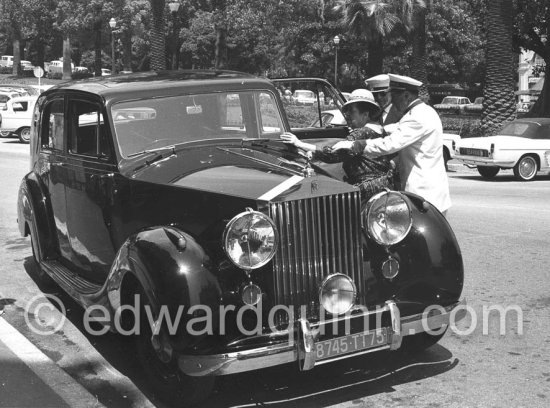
x: 163, y: 82
x: 24, y: 98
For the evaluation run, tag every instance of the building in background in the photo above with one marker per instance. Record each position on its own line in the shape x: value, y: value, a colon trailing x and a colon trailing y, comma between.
x: 530, y: 77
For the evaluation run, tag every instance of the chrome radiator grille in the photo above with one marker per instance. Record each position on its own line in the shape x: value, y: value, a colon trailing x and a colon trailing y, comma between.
x: 318, y: 237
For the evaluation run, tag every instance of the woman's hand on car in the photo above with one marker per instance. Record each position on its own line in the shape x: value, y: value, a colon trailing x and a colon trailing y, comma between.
x: 290, y: 138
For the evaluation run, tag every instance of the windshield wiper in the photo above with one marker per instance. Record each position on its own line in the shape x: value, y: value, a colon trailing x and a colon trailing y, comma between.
x: 158, y: 149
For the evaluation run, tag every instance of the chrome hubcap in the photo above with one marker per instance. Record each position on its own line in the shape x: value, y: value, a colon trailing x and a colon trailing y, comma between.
x: 527, y: 168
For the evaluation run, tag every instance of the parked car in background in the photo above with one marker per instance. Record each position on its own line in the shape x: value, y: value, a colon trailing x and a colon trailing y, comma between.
x: 105, y: 72
x: 17, y: 117
x: 26, y: 65
x: 6, y: 95
x: 476, y: 106
x: 55, y: 68
x: 453, y: 104
x: 523, y: 145
x: 450, y: 141
x: 331, y: 117
x: 304, y: 97
x: 165, y: 193
x: 6, y: 61
x: 21, y: 90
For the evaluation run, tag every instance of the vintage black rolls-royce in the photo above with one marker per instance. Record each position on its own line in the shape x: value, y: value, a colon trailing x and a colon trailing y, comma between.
x: 171, y: 194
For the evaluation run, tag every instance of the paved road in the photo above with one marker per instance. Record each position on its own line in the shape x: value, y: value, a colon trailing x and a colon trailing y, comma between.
x: 504, y: 231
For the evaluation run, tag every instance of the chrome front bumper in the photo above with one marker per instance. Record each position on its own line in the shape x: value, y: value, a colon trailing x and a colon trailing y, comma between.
x: 484, y: 161
x: 303, y: 350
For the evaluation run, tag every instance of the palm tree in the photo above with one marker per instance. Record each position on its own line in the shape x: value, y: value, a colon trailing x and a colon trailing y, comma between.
x: 499, y: 98
x: 370, y: 20
x: 412, y: 14
x: 158, y: 42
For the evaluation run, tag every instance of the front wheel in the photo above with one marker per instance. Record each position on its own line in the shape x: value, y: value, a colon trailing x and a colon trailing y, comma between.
x: 526, y: 168
x: 164, y: 377
x: 488, y: 172
x: 24, y: 134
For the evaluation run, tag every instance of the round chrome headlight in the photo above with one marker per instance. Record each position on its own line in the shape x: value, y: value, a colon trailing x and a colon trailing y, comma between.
x: 337, y: 295
x: 250, y: 240
x: 388, y: 218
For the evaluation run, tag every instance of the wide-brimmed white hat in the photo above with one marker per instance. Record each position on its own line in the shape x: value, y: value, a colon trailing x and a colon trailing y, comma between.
x: 361, y: 95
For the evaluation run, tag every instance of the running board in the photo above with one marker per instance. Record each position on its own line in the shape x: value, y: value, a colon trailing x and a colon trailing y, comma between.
x: 74, y: 285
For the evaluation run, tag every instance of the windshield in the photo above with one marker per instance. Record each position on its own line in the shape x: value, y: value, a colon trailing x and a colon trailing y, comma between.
x: 159, y: 122
x: 521, y: 129
x: 450, y: 100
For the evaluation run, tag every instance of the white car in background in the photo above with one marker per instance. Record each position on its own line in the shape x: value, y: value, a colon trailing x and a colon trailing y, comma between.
x: 450, y: 141
x: 523, y: 145
x: 331, y: 117
x: 304, y: 97
x: 16, y: 117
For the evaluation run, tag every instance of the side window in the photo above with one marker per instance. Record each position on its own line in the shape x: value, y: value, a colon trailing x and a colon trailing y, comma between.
x: 87, y: 134
x: 231, y: 113
x: 20, y: 106
x: 270, y: 119
x: 53, y: 125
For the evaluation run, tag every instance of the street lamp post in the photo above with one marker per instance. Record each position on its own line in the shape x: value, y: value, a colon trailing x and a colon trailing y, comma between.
x: 174, y: 7
x: 336, y: 43
x: 112, y: 24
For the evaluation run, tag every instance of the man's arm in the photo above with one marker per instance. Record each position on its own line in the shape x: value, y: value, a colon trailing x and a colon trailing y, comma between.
x: 408, y: 131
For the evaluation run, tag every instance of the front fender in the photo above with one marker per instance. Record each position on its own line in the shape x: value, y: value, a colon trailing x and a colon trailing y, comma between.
x: 431, y: 265
x: 172, y: 269
x: 33, y: 209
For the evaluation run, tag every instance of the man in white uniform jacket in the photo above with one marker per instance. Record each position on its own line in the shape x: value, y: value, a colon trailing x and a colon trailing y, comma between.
x: 418, y: 137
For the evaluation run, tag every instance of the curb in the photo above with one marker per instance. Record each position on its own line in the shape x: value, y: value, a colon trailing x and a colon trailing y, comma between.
x: 61, y: 383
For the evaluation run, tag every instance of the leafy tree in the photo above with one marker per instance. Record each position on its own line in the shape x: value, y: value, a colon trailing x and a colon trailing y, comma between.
x: 501, y: 62
x: 370, y: 22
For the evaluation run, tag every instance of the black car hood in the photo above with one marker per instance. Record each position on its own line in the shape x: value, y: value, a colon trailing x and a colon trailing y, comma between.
x: 252, y: 172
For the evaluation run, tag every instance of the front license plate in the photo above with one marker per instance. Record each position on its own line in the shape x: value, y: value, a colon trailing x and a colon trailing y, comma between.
x: 351, y: 343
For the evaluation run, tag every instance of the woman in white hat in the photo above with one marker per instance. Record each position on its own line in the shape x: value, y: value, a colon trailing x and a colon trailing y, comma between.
x: 370, y: 175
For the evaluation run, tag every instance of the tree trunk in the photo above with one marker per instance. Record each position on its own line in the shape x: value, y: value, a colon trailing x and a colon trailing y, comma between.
x: 158, y: 42
x: 16, y: 54
x: 97, y: 47
x: 67, y: 71
x: 376, y: 56
x: 541, y: 108
x: 499, y: 104
x: 419, y: 59
x: 221, y: 46
x: 127, y: 50
x: 220, y: 23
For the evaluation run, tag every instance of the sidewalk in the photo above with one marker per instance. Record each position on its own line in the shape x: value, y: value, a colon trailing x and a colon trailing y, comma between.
x: 29, y: 379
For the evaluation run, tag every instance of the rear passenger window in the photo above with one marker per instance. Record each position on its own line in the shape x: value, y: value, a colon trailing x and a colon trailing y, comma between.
x: 53, y: 125
x: 87, y: 130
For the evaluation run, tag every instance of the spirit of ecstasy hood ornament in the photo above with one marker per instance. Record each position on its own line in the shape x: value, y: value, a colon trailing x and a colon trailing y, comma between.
x: 308, y: 170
